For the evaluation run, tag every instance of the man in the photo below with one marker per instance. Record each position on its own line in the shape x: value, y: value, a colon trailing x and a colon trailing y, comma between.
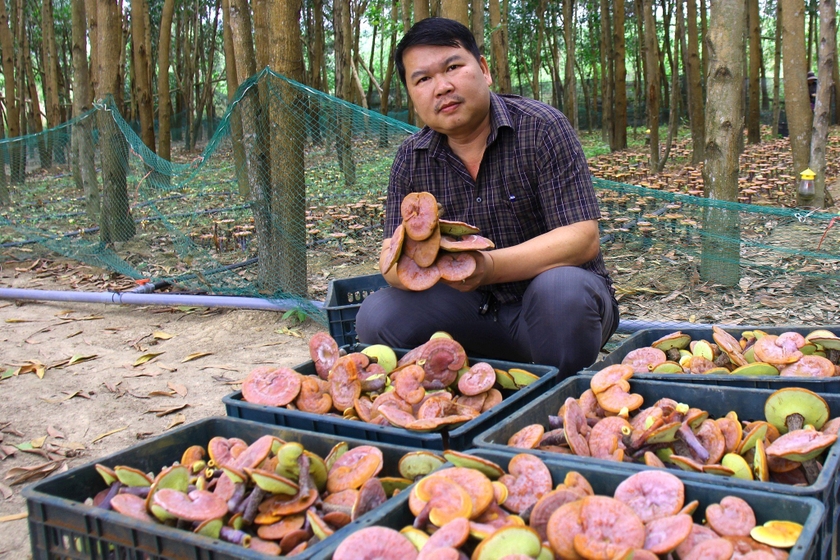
x: 514, y: 168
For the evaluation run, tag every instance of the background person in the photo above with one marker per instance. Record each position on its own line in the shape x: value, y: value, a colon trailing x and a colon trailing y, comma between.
x: 515, y: 168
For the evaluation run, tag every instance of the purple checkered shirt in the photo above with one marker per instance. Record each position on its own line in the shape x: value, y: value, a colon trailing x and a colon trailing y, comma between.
x: 533, y: 178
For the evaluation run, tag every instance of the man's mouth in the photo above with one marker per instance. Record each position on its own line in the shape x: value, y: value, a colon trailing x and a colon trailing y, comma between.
x: 448, y: 104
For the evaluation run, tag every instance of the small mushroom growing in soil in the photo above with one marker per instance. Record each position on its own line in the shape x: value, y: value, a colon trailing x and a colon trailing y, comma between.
x: 800, y: 413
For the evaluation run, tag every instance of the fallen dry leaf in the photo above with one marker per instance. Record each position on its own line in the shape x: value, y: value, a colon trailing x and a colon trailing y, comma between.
x: 20, y: 475
x: 162, y: 394
x: 160, y: 412
x: 106, y: 434
x: 178, y: 388
x: 13, y: 517
x: 12, y: 320
x: 177, y: 420
x: 53, y: 432
x: 78, y: 359
x: 146, y: 358
x: 6, y: 491
x: 38, y: 442
x: 161, y: 335
x: 195, y: 356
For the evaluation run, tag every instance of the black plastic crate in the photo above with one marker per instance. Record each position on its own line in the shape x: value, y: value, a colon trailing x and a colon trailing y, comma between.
x: 458, y: 438
x: 717, y: 400
x: 62, y: 526
x: 344, y: 297
x: 807, y: 511
x: 645, y: 337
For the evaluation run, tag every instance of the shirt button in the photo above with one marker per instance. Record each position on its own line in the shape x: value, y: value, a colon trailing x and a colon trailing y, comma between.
x: 478, y: 199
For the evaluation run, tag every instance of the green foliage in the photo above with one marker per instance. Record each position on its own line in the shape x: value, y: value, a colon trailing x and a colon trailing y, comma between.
x: 296, y: 315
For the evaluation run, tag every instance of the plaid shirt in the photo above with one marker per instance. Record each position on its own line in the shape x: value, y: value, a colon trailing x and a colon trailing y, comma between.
x: 533, y: 178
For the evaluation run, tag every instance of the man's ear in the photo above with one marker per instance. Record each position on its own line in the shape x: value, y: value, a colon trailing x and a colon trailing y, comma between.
x: 485, y: 69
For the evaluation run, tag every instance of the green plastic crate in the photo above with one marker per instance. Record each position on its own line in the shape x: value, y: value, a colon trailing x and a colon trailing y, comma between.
x: 604, y: 480
x: 61, y: 526
x: 717, y: 400
x: 458, y: 438
x: 644, y: 338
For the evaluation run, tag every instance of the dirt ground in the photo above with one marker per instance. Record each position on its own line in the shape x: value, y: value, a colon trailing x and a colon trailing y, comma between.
x: 98, y: 394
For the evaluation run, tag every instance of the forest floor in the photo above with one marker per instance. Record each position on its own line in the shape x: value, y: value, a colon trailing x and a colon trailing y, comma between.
x: 81, y: 381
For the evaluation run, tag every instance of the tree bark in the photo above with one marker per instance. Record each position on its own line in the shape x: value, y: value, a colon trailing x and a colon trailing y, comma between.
x: 421, y: 10
x: 288, y: 188
x: 608, y: 76
x: 570, y: 102
x: 477, y: 23
x: 674, y: 115
x: 343, y: 86
x: 12, y: 86
x: 535, y: 80
x: 720, y: 261
x: 455, y: 9
x: 51, y: 74
x: 499, y: 46
x: 141, y: 72
x: 240, y: 161
x: 651, y: 54
x: 84, y: 164
x: 754, y: 94
x: 116, y: 223
x: 619, y: 43
x: 777, y: 68
x: 696, y: 112
x: 827, y: 61
x: 797, y: 104
x: 164, y: 95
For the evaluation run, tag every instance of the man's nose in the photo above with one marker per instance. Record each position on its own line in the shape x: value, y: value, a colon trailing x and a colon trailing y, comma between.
x: 443, y: 85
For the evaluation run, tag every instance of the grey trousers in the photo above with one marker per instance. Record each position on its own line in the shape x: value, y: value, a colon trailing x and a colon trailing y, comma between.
x: 566, y: 316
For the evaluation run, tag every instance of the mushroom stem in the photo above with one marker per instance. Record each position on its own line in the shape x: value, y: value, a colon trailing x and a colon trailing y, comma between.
x: 795, y: 421
x: 812, y: 469
x: 422, y: 518
x: 652, y: 447
x: 252, y: 504
x: 113, y: 490
x: 238, y: 495
x: 697, y: 450
x: 235, y: 536
x: 327, y: 507
x: 556, y: 422
x: 554, y: 437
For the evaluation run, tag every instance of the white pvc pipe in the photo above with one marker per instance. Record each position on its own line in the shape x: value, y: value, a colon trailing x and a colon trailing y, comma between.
x: 129, y: 298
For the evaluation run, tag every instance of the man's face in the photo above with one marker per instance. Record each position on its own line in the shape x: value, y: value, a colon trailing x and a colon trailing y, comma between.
x: 449, y: 88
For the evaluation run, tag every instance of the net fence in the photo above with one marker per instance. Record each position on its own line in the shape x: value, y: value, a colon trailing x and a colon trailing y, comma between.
x: 288, y: 194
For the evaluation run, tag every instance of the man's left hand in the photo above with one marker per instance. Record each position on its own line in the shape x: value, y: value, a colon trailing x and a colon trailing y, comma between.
x: 483, y: 270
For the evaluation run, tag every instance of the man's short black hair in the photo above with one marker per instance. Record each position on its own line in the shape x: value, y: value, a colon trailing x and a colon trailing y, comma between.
x: 435, y: 32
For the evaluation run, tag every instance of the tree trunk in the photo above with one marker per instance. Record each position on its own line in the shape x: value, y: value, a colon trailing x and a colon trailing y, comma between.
x: 535, y: 80
x: 477, y: 23
x: 777, y: 68
x: 206, y: 97
x: 608, y: 76
x: 705, y: 46
x: 674, y: 115
x: 164, y: 96
x: 240, y: 161
x: 389, y: 74
x: 570, y: 102
x: 421, y: 10
x: 754, y: 94
x: 797, y: 104
x: 720, y: 261
x: 116, y: 223
x: 343, y: 86
x: 619, y: 43
x: 51, y: 75
x: 651, y: 54
x: 33, y: 114
x: 499, y: 46
x: 142, y: 55
x: 288, y: 191
x: 455, y: 9
x: 827, y: 61
x: 318, y: 47
x: 641, y: 64
x: 83, y: 154
x: 696, y: 112
x: 12, y: 85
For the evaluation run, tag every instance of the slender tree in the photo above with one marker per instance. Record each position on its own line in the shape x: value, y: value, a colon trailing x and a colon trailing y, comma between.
x: 675, y: 109
x: 570, y: 102
x: 720, y: 261
x: 777, y: 67
x: 696, y: 112
x: 51, y: 76
x: 797, y: 105
x: 499, y: 45
x: 84, y: 168
x: 344, y: 88
x: 754, y: 94
x: 535, y: 80
x: 620, y: 128
x: 477, y: 23
x: 12, y: 81
x: 142, y: 54
x: 455, y: 9
x: 240, y: 159
x: 827, y: 59
x: 608, y: 75
x: 164, y: 95
x: 422, y: 9
x: 651, y: 54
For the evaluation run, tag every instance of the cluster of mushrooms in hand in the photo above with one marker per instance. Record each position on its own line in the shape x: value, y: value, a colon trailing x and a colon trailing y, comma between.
x: 426, y: 249
x: 609, y: 422
x: 476, y: 510
x: 271, y: 496
x: 431, y: 387
x: 757, y: 353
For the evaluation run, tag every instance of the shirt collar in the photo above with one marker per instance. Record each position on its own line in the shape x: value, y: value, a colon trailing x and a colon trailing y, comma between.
x: 500, y: 117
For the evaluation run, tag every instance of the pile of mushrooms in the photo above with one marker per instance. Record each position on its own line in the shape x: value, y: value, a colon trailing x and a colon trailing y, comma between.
x: 426, y: 249
x: 476, y: 510
x: 756, y: 354
x: 609, y: 422
x: 431, y: 387
x: 271, y: 496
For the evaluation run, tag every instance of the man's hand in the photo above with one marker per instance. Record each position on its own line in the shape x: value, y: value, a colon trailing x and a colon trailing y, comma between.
x: 483, y: 271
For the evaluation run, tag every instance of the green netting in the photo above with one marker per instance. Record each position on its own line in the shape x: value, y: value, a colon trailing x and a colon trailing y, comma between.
x: 289, y: 191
